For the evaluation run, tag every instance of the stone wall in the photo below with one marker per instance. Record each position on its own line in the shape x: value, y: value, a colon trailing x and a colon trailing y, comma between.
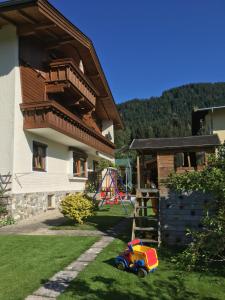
x: 23, y: 206
x: 179, y: 213
x: 3, y: 204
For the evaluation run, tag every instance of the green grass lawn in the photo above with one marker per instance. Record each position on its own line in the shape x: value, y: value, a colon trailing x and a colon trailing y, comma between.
x: 26, y: 262
x: 106, y: 217
x: 101, y: 280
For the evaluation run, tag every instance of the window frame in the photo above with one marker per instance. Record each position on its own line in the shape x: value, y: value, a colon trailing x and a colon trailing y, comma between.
x: 44, y: 148
x: 79, y: 159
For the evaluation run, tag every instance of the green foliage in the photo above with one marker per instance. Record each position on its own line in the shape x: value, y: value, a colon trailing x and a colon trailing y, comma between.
x: 168, y: 115
x: 7, y: 221
x: 90, y: 188
x: 3, y: 210
x: 77, y: 207
x: 104, y: 164
x: 208, y: 245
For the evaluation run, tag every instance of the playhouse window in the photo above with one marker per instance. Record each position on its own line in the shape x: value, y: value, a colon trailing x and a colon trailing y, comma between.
x: 39, y: 156
x: 200, y: 158
x: 79, y: 166
x: 185, y: 159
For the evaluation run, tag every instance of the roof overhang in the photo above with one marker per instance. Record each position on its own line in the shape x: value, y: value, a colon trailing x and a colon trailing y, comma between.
x: 190, y: 142
x: 48, y: 24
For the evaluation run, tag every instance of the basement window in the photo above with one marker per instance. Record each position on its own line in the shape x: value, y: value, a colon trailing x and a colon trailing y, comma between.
x: 39, y: 156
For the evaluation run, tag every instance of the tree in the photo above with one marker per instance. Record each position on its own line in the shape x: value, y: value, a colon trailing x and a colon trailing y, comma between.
x: 208, y: 245
x: 168, y: 115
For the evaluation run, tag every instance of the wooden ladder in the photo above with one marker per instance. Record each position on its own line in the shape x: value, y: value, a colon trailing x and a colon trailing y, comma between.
x: 146, y: 223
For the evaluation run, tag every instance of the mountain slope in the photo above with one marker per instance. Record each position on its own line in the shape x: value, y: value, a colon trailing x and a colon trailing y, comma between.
x: 168, y: 115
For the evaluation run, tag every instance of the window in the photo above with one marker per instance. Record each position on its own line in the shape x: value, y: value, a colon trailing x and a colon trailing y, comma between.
x: 51, y: 201
x: 189, y: 159
x: 79, y: 165
x: 200, y: 158
x: 179, y: 160
x: 39, y: 156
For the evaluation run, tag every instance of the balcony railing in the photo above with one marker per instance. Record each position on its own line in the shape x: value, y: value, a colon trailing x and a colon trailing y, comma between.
x: 49, y: 114
x: 63, y: 74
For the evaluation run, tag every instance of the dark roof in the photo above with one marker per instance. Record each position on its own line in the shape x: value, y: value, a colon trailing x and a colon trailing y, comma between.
x: 176, y: 142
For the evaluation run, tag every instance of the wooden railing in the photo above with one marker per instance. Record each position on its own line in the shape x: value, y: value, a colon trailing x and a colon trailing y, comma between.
x: 63, y: 73
x: 49, y: 114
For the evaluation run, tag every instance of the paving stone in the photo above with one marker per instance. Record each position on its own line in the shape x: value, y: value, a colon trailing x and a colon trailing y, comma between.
x: 57, y: 284
x: 77, y: 266
x: 95, y: 250
x: 87, y: 257
x: 64, y: 275
x: 33, y: 297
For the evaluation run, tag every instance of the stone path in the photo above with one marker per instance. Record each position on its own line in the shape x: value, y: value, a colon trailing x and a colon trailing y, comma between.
x: 61, y: 280
x: 42, y: 224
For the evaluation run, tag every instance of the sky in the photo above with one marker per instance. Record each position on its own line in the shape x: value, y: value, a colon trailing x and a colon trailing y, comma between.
x: 148, y: 46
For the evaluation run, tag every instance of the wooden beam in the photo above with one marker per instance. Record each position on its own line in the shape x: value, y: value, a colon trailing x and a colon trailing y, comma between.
x: 27, y: 17
x: 46, y: 26
x: 138, y: 173
x: 94, y: 76
x: 24, y: 30
x: 59, y: 42
x: 54, y: 35
x: 104, y: 98
x: 7, y: 19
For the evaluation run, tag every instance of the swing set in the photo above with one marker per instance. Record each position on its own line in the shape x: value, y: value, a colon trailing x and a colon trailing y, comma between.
x: 109, y: 192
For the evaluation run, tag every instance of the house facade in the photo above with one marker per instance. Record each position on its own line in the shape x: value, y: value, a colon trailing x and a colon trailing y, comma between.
x: 209, y: 120
x: 57, y: 113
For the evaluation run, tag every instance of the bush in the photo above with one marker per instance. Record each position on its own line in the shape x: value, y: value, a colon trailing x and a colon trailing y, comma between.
x: 3, y: 210
x: 77, y: 207
x: 7, y: 221
x: 208, y: 244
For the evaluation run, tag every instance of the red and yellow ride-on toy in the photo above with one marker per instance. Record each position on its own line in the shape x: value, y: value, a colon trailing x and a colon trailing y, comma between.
x: 138, y: 258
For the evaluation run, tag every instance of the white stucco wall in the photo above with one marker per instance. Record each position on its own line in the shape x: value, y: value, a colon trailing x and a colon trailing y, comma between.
x: 58, y: 175
x: 16, y: 146
x: 8, y: 63
x: 218, y: 123
x: 107, y: 127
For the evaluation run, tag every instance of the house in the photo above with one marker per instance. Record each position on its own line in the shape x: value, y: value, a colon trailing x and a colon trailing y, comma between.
x: 209, y: 120
x: 57, y: 113
x: 157, y: 159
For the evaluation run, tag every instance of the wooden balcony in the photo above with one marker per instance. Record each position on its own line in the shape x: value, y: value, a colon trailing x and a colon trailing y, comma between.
x: 65, y: 75
x: 49, y: 114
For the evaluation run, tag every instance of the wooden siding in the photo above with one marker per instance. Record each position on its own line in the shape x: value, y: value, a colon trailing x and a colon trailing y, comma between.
x: 33, y: 85
x: 165, y: 163
x: 66, y: 73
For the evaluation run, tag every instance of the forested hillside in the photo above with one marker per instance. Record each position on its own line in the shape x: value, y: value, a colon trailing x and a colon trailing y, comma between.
x: 168, y: 115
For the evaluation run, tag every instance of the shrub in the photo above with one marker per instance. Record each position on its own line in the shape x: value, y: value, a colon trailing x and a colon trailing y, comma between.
x: 208, y: 245
x: 3, y: 210
x: 7, y: 221
x: 77, y: 207
x: 90, y: 187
